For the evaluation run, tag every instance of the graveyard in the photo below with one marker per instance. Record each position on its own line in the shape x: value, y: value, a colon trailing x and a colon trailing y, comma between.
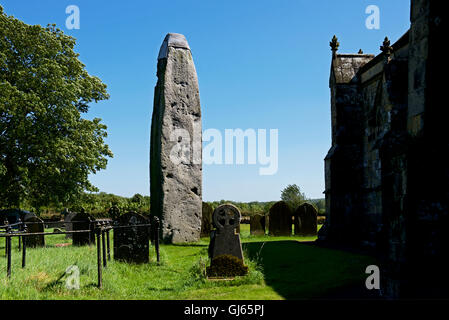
x: 374, y: 228
x: 273, y: 272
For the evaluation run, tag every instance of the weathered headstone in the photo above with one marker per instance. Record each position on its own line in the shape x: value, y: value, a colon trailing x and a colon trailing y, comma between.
x: 65, y: 212
x: 114, y: 212
x: 306, y: 220
x: 176, y: 142
x: 225, y: 240
x: 257, y: 225
x: 132, y: 244
x: 280, y: 220
x: 83, y: 221
x: 206, y: 220
x: 34, y: 225
x: 68, y: 223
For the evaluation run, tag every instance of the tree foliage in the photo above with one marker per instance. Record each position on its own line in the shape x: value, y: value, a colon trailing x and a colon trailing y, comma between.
x: 246, y: 208
x: 47, y: 150
x: 292, y: 196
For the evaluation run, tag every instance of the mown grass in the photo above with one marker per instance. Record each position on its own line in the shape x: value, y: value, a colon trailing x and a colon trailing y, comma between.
x: 280, y: 268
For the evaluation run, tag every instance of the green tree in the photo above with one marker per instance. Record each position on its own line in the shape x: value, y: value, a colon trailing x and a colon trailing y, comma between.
x: 292, y: 196
x: 47, y: 150
x: 320, y: 204
x: 138, y: 199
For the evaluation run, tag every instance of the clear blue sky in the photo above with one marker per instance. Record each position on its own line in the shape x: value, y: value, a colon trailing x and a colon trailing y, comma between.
x: 260, y: 64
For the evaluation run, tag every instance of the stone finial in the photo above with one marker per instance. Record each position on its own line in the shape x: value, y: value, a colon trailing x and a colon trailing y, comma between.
x: 176, y: 40
x: 386, y: 48
x: 334, y: 45
x: 360, y: 51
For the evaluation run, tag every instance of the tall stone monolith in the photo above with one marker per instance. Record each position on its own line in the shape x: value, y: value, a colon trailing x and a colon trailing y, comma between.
x: 175, y: 155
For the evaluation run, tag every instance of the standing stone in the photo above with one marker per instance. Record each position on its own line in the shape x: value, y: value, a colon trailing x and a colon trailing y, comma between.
x: 132, y: 244
x: 280, y: 220
x: 83, y: 221
x: 257, y: 225
x: 306, y: 220
x: 206, y: 220
x: 68, y: 217
x: 225, y: 240
x: 34, y: 225
x: 176, y: 142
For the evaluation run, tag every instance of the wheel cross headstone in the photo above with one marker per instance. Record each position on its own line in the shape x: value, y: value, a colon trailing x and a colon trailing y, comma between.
x: 225, y: 239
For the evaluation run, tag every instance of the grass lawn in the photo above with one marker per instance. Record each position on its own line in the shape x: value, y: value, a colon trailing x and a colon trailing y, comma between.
x: 280, y: 268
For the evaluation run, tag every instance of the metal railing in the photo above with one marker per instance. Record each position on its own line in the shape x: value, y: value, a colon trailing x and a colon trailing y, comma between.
x: 101, y: 230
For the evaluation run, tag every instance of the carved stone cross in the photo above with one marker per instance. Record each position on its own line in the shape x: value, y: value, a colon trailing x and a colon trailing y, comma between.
x: 225, y: 239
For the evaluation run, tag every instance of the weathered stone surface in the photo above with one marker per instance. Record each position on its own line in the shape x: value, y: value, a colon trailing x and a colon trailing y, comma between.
x: 387, y: 173
x: 280, y: 220
x: 176, y: 142
x: 34, y: 225
x: 83, y: 221
x: 132, y: 244
x: 225, y: 240
x: 305, y: 220
x: 68, y: 217
x: 206, y: 220
x: 257, y: 225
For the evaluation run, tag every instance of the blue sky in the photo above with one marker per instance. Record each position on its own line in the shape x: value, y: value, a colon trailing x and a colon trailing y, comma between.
x: 260, y: 64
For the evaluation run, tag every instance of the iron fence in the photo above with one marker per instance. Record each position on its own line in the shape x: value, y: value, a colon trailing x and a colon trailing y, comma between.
x: 101, y: 229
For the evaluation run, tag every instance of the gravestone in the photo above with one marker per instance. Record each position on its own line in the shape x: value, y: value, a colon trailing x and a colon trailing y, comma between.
x: 225, y: 240
x: 114, y: 213
x: 65, y: 212
x: 280, y: 220
x: 34, y: 225
x: 176, y: 144
x: 257, y: 225
x: 132, y: 244
x: 306, y: 220
x: 83, y: 221
x: 206, y: 220
x: 68, y: 217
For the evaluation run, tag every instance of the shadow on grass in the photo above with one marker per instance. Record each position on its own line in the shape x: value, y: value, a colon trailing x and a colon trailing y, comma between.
x: 189, y: 244
x: 306, y: 271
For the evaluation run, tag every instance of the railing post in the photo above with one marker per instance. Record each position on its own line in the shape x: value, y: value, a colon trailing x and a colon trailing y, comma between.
x: 108, y: 242
x: 8, y: 245
x: 24, y: 247
x: 99, y: 266
x: 20, y: 229
x: 90, y: 228
x: 103, y: 242
x: 6, y: 223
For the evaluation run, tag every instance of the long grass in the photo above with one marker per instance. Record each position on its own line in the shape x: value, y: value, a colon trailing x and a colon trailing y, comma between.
x: 273, y: 262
